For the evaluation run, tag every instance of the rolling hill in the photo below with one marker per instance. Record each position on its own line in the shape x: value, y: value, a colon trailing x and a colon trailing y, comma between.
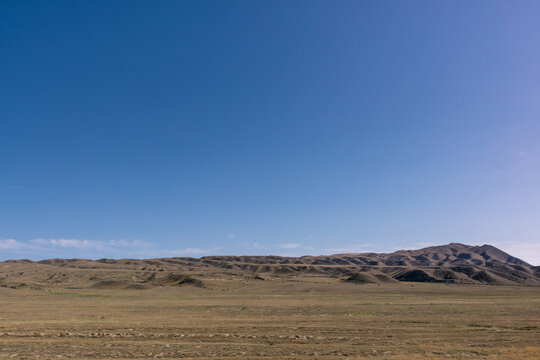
x: 453, y: 264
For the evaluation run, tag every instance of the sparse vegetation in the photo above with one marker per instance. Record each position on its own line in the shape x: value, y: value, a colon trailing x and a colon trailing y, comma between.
x: 290, y: 318
x: 327, y: 307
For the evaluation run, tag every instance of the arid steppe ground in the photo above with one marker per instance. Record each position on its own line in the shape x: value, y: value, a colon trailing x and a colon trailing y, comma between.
x: 282, y: 318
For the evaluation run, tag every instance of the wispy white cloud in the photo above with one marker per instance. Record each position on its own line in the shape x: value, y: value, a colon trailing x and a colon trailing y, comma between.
x: 97, y: 248
x: 13, y: 245
x: 186, y: 252
x: 289, y: 246
x: 70, y: 247
x: 93, y: 245
x: 68, y: 243
x: 253, y: 245
x: 358, y: 248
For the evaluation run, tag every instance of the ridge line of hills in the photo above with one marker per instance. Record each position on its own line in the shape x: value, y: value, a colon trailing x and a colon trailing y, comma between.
x: 452, y: 263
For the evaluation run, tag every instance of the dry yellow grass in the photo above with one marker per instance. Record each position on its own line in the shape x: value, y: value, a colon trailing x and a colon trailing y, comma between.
x: 293, y: 318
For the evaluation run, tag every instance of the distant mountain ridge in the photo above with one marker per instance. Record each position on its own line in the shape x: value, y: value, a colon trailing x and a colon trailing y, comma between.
x: 486, y: 253
x: 452, y: 263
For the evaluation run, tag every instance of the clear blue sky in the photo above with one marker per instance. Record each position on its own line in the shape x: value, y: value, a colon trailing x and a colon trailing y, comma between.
x: 171, y: 128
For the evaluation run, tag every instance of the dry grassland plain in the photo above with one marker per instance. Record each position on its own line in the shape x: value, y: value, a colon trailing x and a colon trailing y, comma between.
x: 292, y: 318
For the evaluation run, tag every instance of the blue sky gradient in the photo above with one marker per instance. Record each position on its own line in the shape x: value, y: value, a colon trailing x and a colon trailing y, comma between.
x: 186, y: 128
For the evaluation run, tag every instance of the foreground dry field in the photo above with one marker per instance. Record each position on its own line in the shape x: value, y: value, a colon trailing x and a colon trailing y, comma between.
x: 294, y: 318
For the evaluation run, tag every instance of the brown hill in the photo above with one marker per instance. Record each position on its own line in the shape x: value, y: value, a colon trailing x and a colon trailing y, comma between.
x: 452, y: 263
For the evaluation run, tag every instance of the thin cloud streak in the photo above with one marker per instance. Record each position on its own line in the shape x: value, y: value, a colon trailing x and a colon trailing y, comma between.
x: 81, y: 247
x: 12, y: 244
x: 97, y: 248
x: 87, y: 244
x: 187, y: 252
x: 289, y: 246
